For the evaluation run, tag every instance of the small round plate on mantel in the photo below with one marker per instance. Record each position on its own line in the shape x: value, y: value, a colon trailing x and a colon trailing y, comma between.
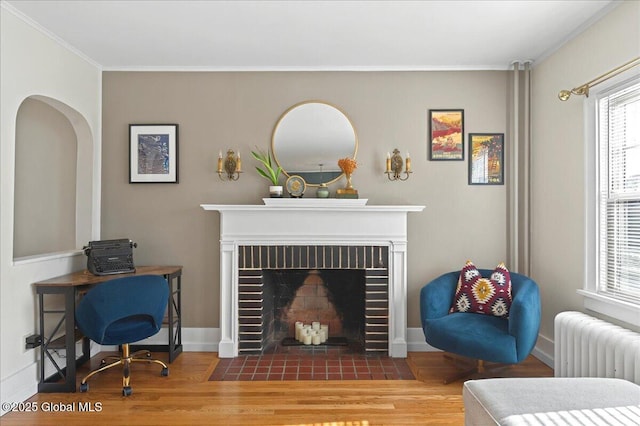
x: 296, y: 186
x: 315, y: 202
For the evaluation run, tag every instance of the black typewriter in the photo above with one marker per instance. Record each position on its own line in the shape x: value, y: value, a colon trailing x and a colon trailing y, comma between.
x: 109, y: 257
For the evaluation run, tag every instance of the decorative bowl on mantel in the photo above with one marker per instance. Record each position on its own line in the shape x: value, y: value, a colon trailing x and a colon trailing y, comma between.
x: 315, y: 202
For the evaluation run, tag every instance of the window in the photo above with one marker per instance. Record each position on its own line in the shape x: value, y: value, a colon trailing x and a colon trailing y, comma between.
x: 615, y: 275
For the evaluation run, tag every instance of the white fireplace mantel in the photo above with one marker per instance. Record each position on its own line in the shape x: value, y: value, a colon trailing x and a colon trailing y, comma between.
x: 313, y: 222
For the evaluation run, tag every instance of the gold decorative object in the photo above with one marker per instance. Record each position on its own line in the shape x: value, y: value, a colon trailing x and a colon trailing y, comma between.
x: 394, y: 166
x: 230, y: 167
x: 347, y: 165
x: 584, y: 88
x: 296, y: 186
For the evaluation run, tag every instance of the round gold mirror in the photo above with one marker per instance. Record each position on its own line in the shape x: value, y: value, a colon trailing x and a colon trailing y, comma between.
x: 310, y: 138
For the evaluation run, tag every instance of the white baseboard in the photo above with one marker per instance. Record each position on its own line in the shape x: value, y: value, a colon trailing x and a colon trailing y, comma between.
x: 193, y: 339
x: 24, y: 384
x: 416, y: 342
x: 544, y: 350
x: 206, y: 340
x: 19, y: 387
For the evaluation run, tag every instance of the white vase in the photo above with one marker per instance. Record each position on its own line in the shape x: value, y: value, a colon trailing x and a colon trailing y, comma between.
x: 275, y: 191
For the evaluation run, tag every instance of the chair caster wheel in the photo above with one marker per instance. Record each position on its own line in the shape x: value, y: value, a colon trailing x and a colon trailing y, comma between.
x: 84, y: 387
x: 164, y: 372
x: 126, y: 391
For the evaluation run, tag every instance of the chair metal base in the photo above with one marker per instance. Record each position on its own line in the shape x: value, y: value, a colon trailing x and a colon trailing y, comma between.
x: 472, y: 368
x: 125, y: 360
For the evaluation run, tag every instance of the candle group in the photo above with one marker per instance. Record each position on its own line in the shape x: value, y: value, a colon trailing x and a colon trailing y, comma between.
x: 311, y: 334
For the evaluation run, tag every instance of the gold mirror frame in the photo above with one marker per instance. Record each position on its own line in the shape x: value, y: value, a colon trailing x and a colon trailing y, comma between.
x: 314, y: 153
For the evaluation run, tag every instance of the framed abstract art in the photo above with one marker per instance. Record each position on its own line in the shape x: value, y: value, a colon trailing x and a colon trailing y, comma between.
x: 153, y: 153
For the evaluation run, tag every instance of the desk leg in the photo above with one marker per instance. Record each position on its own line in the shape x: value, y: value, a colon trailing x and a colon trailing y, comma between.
x: 175, y: 316
x: 68, y: 373
x: 44, y: 343
x: 70, y: 341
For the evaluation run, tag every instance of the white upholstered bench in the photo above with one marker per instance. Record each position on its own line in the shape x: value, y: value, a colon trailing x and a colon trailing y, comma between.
x: 551, y: 401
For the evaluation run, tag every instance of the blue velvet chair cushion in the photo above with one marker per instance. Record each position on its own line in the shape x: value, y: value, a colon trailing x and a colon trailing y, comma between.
x: 475, y: 336
x: 506, y: 340
x: 123, y: 310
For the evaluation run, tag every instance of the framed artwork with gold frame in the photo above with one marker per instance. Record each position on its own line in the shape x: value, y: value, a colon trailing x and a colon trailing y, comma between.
x: 486, y: 158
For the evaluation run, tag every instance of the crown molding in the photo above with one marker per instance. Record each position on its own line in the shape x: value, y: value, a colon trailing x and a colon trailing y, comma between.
x: 35, y: 25
x: 579, y: 30
x: 362, y: 68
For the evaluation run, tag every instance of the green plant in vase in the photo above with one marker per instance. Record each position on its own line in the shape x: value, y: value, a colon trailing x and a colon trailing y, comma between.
x: 270, y: 171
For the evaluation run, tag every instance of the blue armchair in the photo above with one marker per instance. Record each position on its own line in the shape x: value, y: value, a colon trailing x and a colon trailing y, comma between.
x: 121, y: 311
x: 478, y: 336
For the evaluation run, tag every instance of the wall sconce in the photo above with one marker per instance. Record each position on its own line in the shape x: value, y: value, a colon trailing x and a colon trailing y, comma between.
x: 231, y: 166
x: 394, y: 166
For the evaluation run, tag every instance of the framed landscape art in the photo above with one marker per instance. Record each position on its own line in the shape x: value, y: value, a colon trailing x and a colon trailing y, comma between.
x: 486, y: 158
x: 153, y: 153
x: 446, y: 134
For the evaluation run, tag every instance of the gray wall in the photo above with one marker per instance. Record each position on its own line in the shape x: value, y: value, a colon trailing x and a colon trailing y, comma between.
x: 217, y: 111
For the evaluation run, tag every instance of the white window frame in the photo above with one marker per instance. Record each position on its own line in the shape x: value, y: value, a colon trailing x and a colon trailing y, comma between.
x: 594, y: 300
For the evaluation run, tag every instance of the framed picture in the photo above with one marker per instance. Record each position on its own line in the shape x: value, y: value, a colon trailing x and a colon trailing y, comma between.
x: 486, y: 158
x: 153, y: 153
x: 446, y: 134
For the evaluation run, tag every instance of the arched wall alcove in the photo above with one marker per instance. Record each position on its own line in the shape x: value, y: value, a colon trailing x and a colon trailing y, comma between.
x: 53, y: 179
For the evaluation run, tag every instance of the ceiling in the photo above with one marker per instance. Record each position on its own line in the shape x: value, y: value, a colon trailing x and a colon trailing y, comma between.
x: 311, y: 35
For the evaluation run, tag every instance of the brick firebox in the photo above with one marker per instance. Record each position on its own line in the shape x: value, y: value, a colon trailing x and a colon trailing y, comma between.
x: 318, y: 289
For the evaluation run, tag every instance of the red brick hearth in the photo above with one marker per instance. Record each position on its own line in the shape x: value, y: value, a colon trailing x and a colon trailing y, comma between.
x: 311, y: 364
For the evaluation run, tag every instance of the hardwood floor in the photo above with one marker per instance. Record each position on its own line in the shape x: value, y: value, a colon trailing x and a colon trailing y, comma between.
x: 186, y: 397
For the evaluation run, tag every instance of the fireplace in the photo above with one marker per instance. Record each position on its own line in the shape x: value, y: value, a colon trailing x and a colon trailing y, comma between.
x: 313, y: 236
x: 345, y: 287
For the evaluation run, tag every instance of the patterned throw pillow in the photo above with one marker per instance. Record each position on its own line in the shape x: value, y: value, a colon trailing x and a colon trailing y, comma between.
x: 490, y: 296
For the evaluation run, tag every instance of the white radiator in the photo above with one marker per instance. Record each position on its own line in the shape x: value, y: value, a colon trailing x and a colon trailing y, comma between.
x: 590, y: 347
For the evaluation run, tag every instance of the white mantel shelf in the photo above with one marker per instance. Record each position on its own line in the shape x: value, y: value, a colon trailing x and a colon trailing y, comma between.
x: 311, y: 204
x: 313, y: 222
x: 292, y: 222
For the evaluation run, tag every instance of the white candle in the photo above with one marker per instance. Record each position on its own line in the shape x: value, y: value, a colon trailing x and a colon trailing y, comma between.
x: 315, y: 325
x: 303, y: 332
x: 323, y: 335
x: 316, y: 339
x: 307, y: 339
x: 298, y: 330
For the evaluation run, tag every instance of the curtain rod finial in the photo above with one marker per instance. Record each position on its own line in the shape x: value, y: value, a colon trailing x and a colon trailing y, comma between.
x: 564, y: 95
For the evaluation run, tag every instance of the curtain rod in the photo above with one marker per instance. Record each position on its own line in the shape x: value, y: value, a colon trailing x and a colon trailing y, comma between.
x: 584, y: 89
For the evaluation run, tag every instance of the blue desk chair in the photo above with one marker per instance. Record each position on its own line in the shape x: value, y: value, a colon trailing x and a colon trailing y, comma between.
x: 480, y: 337
x: 122, y: 311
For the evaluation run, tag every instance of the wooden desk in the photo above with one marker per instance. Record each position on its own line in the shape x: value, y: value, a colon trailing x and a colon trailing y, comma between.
x: 70, y: 286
